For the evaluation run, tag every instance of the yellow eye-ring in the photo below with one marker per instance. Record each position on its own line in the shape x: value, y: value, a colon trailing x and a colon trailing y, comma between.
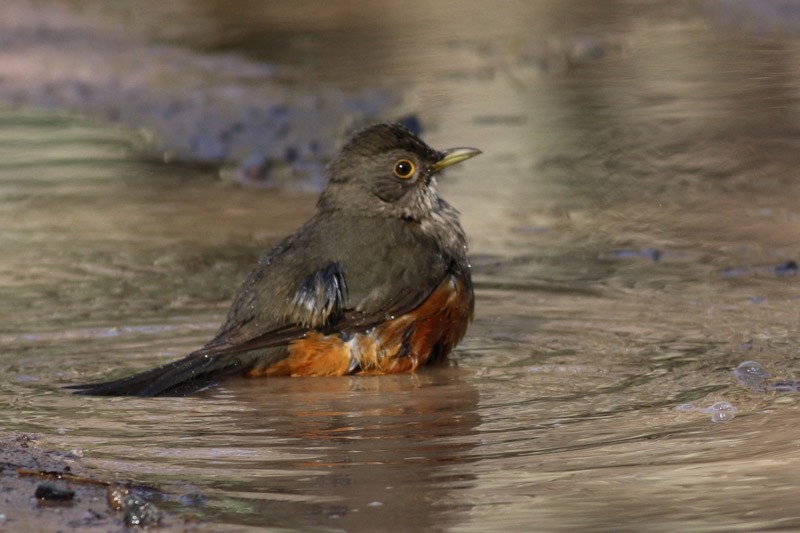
x: 404, y: 169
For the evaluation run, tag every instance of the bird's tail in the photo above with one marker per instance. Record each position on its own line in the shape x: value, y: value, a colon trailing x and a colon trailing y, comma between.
x: 178, y: 378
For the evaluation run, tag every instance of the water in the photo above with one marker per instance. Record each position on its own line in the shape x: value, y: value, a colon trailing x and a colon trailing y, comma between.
x: 632, y: 225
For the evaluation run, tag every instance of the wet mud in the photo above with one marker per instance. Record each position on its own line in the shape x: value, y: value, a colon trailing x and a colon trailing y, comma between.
x: 48, y: 490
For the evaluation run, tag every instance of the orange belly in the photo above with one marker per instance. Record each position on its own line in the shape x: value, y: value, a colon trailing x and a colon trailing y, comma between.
x: 399, y: 345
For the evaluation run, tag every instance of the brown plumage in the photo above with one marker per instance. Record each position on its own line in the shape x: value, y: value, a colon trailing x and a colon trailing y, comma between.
x: 377, y: 281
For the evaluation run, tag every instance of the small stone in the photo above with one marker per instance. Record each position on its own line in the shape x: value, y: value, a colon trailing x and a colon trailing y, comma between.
x: 48, y: 492
x: 115, y: 497
x: 139, y: 512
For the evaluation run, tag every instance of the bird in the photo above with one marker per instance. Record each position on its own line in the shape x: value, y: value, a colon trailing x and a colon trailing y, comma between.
x: 377, y: 281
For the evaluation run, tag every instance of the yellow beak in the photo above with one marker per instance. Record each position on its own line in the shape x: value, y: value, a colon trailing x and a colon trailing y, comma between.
x: 453, y: 156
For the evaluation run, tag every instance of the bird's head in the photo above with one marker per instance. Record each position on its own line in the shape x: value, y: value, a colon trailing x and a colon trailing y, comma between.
x: 387, y: 169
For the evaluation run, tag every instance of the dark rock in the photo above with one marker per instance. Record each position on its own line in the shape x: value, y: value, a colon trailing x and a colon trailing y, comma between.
x: 48, y: 492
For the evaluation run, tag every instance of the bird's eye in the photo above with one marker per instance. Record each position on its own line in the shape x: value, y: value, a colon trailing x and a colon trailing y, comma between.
x: 404, y: 169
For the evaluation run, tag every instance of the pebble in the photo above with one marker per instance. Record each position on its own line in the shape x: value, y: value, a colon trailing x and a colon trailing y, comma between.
x: 139, y: 512
x: 48, y: 492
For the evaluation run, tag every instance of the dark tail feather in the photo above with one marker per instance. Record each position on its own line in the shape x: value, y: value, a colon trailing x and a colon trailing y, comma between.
x: 179, y: 378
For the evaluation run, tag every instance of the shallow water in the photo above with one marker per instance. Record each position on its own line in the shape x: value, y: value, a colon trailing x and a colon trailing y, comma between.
x: 633, y: 225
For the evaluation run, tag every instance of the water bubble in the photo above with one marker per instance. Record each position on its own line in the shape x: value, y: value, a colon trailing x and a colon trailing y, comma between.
x: 720, y: 407
x: 721, y: 412
x: 723, y: 416
x: 751, y: 374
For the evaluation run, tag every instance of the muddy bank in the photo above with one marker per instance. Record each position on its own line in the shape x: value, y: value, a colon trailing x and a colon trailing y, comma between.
x: 57, y: 492
x: 218, y: 108
x: 264, y: 124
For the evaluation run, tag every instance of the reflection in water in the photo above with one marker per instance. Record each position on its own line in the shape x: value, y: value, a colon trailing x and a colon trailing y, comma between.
x: 350, y: 452
x: 633, y: 227
x: 383, y: 450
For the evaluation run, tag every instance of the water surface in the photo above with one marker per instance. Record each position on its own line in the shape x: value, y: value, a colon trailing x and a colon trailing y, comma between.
x: 633, y: 226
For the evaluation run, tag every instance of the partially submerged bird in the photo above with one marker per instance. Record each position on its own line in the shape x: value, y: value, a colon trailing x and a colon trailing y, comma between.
x: 377, y: 281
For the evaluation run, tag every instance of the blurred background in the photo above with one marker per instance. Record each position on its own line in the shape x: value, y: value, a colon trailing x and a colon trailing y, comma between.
x: 634, y: 236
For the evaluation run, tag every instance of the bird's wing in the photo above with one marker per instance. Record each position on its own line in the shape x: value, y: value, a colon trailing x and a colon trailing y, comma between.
x: 348, y: 290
